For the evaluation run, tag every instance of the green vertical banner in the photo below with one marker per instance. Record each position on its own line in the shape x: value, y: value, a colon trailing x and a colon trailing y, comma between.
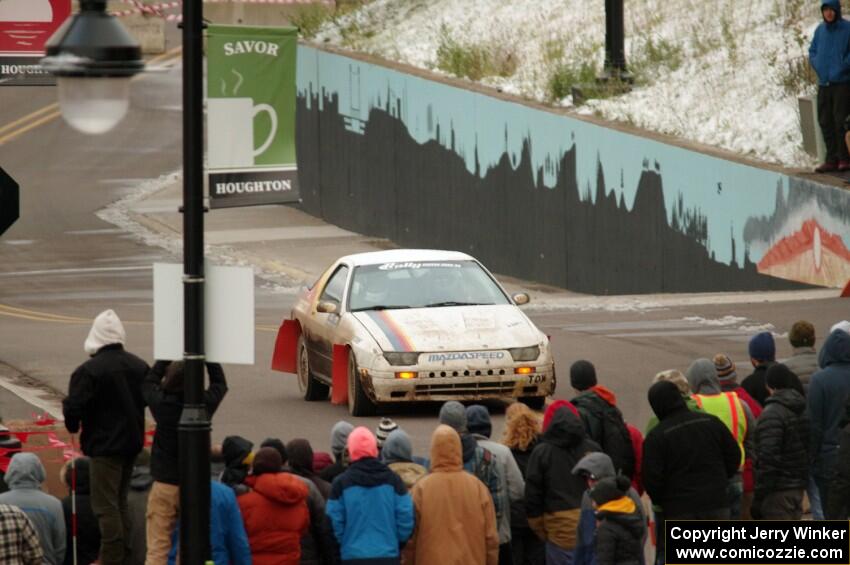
x: 251, y: 115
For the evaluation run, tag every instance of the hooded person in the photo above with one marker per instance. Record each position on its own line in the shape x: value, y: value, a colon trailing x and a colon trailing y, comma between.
x: 163, y: 393
x: 370, y: 510
x: 829, y: 392
x: 688, y: 458
x: 762, y: 350
x: 804, y: 357
x: 274, y: 511
x: 736, y: 416
x: 105, y: 401
x: 300, y: 456
x: 621, y: 531
x: 25, y: 477
x: 593, y: 468
x: 602, y: 420
x: 339, y: 436
x: 512, y: 485
x: 75, y: 475
x: 828, y: 57
x: 321, y: 461
x: 397, y: 454
x: 238, y: 459
x: 552, y: 493
x: 477, y: 459
x: 554, y: 407
x: 782, y: 443
x: 455, y: 518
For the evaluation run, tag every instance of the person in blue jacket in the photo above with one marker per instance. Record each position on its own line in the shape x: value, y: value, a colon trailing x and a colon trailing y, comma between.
x: 828, y: 397
x: 369, y: 507
x: 228, y: 538
x: 829, y: 55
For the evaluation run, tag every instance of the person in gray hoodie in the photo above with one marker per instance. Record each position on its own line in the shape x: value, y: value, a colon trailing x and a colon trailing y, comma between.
x: 594, y: 467
x: 397, y: 454
x: 702, y: 378
x: 24, y: 477
x: 339, y: 437
x: 513, y: 487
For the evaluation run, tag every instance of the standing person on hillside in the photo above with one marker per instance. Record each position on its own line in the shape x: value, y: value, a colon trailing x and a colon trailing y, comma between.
x: 688, y: 459
x: 782, y: 443
x: 602, y: 420
x: 455, y: 519
x: 829, y: 392
x: 512, y: 484
x: 105, y: 400
x: 734, y: 414
x: 300, y: 457
x: 552, y: 493
x: 163, y: 391
x: 25, y: 478
x: 829, y: 55
x: 521, y: 436
x: 804, y: 358
x: 370, y: 509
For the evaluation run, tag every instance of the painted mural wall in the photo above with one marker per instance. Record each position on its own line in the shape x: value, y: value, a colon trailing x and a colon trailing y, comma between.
x: 551, y: 198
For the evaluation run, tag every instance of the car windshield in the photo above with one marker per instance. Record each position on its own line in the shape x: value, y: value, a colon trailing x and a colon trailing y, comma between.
x: 421, y: 284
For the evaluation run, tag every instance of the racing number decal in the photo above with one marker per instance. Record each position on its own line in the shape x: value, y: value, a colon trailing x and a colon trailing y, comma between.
x: 535, y: 379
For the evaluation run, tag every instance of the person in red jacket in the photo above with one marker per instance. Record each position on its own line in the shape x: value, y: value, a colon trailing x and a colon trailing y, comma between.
x: 274, y: 511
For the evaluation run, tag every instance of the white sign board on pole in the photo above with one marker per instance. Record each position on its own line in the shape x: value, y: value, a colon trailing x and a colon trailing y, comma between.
x: 228, y: 317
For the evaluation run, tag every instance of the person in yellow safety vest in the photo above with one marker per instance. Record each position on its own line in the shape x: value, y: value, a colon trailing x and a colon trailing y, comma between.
x: 736, y: 415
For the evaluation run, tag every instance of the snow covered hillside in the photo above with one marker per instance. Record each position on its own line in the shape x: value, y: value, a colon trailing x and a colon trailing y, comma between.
x: 722, y: 72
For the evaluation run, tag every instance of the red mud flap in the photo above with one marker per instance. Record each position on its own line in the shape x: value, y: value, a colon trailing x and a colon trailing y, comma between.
x: 339, y: 370
x: 846, y: 292
x: 285, y: 355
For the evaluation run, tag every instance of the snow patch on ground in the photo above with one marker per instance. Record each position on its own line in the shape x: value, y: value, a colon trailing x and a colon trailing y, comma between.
x: 711, y: 72
x: 120, y: 213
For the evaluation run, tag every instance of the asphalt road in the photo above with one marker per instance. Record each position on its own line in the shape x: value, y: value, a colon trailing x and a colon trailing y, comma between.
x: 60, y: 265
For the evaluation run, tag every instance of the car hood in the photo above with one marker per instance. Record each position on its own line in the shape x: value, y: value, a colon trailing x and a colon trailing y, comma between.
x: 455, y: 328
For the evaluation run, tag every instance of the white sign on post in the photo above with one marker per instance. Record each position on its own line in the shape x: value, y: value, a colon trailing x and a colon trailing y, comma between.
x: 228, y: 316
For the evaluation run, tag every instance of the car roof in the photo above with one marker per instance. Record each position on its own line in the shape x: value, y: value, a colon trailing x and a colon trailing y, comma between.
x: 398, y: 255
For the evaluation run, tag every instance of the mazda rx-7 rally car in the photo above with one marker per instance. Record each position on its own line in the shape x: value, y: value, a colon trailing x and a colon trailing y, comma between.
x: 410, y: 325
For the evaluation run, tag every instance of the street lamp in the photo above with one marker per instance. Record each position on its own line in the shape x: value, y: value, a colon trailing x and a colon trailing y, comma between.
x: 94, y: 58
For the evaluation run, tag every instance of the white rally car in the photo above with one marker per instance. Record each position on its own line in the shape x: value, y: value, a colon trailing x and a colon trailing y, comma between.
x: 408, y: 325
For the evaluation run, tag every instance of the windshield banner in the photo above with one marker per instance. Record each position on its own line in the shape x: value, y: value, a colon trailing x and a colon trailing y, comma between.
x: 251, y: 115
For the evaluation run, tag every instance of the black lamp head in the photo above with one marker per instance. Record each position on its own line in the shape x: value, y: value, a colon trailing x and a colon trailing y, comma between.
x: 93, y: 43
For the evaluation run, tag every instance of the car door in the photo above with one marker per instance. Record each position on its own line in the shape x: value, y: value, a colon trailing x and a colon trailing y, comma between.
x: 323, y: 329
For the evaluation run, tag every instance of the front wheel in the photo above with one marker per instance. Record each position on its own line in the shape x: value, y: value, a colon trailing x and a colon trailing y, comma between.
x: 307, y: 383
x: 358, y: 403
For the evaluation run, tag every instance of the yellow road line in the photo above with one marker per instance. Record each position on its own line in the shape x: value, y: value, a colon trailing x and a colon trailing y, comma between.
x: 33, y: 125
x: 6, y: 307
x: 29, y: 116
x: 171, y: 53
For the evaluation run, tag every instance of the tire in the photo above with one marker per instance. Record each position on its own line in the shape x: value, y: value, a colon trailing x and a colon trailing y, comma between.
x: 358, y: 403
x: 311, y: 388
x: 534, y: 402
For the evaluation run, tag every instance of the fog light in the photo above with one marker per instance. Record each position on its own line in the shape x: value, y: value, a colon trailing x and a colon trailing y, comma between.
x: 524, y: 370
x: 405, y: 375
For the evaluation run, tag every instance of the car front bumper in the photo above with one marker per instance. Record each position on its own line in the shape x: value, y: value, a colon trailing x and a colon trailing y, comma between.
x: 442, y: 385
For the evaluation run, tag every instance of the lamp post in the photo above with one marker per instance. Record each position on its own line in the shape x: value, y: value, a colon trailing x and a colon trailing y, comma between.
x: 93, y: 58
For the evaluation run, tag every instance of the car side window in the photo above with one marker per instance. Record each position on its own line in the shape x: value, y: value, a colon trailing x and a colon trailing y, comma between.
x: 335, y: 288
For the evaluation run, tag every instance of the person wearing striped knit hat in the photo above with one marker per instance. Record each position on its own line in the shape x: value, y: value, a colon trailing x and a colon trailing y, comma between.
x: 383, y: 431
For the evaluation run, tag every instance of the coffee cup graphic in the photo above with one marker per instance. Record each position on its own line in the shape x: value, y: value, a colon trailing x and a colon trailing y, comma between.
x: 231, y: 131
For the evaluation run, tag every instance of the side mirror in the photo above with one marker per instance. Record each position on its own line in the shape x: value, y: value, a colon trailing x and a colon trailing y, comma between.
x: 326, y: 307
x: 521, y: 298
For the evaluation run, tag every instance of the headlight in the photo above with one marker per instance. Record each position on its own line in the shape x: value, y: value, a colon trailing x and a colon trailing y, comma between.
x: 525, y: 353
x: 401, y: 358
